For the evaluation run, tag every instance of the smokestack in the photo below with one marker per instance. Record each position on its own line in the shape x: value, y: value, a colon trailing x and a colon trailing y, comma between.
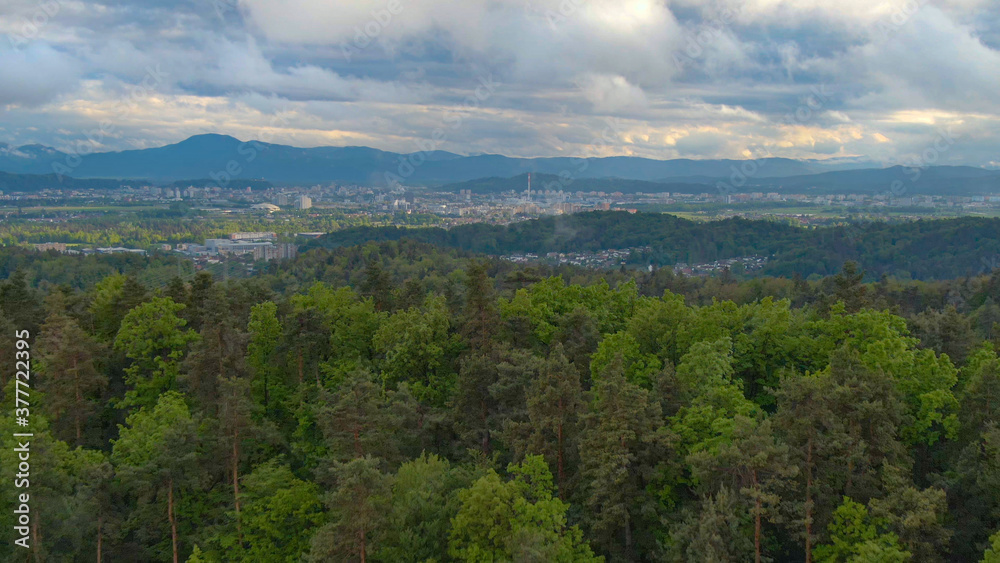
x: 529, y: 186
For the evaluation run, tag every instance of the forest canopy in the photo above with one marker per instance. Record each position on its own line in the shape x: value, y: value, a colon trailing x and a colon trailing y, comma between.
x: 397, y: 401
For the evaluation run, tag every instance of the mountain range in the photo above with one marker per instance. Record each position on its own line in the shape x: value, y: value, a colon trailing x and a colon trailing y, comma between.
x: 229, y: 162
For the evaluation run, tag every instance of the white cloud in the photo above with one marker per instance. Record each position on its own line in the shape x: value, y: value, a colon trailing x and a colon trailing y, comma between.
x: 561, y: 68
x: 34, y: 74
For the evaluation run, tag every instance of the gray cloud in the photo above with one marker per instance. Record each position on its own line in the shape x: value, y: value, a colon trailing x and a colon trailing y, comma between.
x: 722, y: 78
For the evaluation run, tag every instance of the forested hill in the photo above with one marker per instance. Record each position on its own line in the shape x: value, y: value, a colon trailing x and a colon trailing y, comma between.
x: 38, y: 182
x: 926, y: 249
x: 593, y: 231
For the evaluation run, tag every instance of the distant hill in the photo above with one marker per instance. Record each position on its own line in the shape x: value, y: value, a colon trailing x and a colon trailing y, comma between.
x: 221, y: 157
x: 898, y: 181
x: 38, y: 182
x: 927, y: 249
x: 540, y: 182
x: 208, y: 182
x: 228, y: 162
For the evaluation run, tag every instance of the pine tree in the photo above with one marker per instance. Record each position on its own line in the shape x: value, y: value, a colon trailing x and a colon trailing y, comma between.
x: 356, y: 506
x: 620, y: 447
x: 481, y: 316
x: 69, y: 373
x: 155, y: 456
x: 378, y: 286
x: 238, y: 427
x: 474, y: 404
x: 20, y: 303
x: 555, y: 405
x: 814, y: 433
x: 360, y: 421
x: 219, y: 352
x: 753, y: 463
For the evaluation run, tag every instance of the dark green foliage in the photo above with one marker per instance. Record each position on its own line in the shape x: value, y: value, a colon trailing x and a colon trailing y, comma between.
x: 921, y: 249
x: 399, y: 402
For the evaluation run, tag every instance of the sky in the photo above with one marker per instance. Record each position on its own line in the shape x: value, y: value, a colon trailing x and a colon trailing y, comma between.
x: 910, y: 82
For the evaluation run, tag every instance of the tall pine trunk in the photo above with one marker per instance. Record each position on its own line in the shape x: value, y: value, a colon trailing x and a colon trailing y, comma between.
x: 559, y: 454
x: 808, y: 505
x: 758, y: 508
x: 36, y: 539
x: 170, y: 516
x: 300, y: 364
x: 236, y: 481
x: 79, y: 401
x: 484, y: 416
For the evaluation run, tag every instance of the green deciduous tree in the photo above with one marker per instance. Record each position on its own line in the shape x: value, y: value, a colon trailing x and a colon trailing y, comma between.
x: 419, y: 349
x: 262, y: 353
x: 517, y: 520
x: 280, y: 515
x: 423, y: 500
x: 856, y: 537
x: 155, y: 339
x: 992, y: 553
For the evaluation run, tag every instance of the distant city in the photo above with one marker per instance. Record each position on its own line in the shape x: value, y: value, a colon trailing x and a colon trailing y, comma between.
x: 273, y: 206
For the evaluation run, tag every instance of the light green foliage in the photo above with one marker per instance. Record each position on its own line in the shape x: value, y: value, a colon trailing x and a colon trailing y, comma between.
x: 992, y: 553
x: 661, y: 326
x: 926, y: 381
x: 262, y: 358
x: 544, y: 302
x: 197, y: 556
x: 727, y: 420
x: 153, y: 337
x: 856, y: 537
x: 982, y: 385
x: 155, y: 457
x: 712, y: 397
x: 517, y: 520
x: 157, y: 443
x: 347, y: 324
x: 279, y: 515
x: 418, y: 348
x: 640, y: 368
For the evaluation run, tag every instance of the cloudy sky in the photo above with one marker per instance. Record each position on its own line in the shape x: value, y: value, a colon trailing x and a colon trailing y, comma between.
x: 898, y: 81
